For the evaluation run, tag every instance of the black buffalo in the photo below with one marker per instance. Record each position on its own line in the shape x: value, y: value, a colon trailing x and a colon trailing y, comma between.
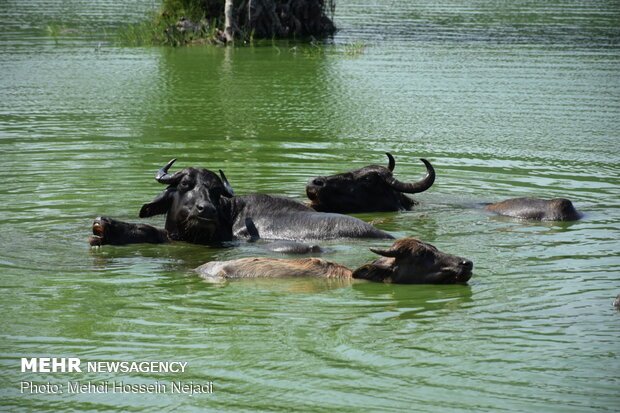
x: 408, y: 261
x: 369, y: 189
x: 557, y: 209
x: 201, y: 208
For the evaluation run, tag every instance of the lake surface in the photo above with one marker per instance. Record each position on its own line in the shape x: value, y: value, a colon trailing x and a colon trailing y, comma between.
x: 505, y: 99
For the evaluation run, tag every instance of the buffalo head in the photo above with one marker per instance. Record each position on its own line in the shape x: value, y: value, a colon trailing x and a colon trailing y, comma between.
x: 411, y: 261
x: 191, y: 203
x: 368, y: 189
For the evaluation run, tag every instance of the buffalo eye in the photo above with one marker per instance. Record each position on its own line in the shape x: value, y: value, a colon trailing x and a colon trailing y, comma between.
x: 186, y: 184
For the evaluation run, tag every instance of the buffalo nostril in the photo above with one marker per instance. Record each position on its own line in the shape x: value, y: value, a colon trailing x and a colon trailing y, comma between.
x: 467, y: 264
x: 318, y: 182
x: 205, y: 209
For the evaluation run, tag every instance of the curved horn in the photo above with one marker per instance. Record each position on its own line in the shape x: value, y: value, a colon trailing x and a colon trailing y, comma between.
x: 228, y: 191
x: 391, y: 252
x: 392, y: 162
x: 414, y: 187
x: 163, y: 177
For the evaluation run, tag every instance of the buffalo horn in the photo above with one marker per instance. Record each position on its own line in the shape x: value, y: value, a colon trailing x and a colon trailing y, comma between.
x: 391, y: 252
x: 228, y: 191
x: 392, y: 162
x: 413, y: 187
x: 163, y: 177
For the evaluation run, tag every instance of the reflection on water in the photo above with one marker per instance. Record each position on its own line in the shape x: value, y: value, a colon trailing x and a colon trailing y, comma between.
x: 505, y: 100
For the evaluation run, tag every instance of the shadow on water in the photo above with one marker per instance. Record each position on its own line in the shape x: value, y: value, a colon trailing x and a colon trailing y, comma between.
x: 417, y: 301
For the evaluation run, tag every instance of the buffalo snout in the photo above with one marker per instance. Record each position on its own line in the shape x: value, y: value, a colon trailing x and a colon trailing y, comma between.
x: 466, y: 265
x: 205, y: 210
x: 314, y: 186
x: 319, y: 181
x: 111, y: 231
x: 464, y: 271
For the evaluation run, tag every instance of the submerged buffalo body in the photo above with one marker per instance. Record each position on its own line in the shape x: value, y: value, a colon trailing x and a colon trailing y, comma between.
x: 293, y: 247
x: 368, y: 189
x: 558, y: 209
x: 273, y: 268
x: 408, y: 261
x: 201, y: 208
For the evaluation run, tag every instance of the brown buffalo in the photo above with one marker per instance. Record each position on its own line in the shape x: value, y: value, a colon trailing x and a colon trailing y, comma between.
x: 372, y: 188
x: 408, y: 261
x: 558, y: 209
x: 411, y: 261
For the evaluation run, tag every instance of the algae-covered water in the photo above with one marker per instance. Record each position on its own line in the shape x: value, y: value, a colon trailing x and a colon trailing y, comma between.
x: 505, y: 99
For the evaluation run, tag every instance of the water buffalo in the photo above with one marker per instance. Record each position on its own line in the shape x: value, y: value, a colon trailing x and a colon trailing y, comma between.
x: 408, y: 261
x: 369, y: 189
x: 201, y: 208
x: 558, y: 209
x: 411, y: 261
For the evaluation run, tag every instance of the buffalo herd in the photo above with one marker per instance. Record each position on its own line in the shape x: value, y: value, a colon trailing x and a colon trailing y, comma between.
x: 202, y: 208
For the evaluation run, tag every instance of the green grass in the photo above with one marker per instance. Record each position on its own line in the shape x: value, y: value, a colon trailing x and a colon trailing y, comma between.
x: 317, y: 49
x: 353, y: 49
x: 160, y: 29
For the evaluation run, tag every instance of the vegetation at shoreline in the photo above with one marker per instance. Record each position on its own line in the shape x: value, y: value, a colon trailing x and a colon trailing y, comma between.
x: 182, y: 22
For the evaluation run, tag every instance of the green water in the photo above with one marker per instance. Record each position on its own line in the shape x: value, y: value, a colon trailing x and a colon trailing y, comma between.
x: 505, y: 99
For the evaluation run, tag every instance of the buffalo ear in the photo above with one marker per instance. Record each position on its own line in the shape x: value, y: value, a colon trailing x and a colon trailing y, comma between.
x: 159, y: 205
x: 228, y: 190
x: 373, y: 272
